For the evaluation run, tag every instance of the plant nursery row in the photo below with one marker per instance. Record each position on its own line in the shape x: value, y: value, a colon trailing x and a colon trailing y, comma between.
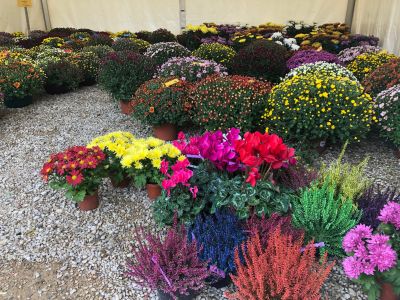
x: 237, y: 114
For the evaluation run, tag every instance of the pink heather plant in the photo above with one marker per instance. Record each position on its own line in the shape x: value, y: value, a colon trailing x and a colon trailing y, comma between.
x: 369, y: 252
x: 390, y: 214
x: 216, y: 147
x: 170, y: 264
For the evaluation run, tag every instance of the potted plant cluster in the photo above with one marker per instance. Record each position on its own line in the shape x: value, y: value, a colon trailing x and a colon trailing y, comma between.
x: 20, y: 80
x: 79, y: 170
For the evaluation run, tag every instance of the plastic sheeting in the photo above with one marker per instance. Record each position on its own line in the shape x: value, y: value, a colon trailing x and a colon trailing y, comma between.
x: 380, y: 18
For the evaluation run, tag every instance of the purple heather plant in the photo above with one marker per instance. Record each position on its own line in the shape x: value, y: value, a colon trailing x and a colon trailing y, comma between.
x: 310, y: 56
x: 347, y: 55
x: 297, y: 177
x: 369, y: 252
x: 265, y: 226
x: 190, y: 68
x: 170, y: 265
x: 372, y: 201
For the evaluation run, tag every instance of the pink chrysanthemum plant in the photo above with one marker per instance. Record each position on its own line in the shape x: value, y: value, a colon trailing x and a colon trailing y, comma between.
x: 373, y: 258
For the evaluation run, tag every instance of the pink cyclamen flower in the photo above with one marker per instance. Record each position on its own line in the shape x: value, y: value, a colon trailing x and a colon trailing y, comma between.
x: 164, y: 167
x: 390, y: 214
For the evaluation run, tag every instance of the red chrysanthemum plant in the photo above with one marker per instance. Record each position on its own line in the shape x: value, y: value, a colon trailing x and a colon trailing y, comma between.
x: 170, y: 265
x: 283, y: 270
x: 262, y: 154
x: 79, y: 170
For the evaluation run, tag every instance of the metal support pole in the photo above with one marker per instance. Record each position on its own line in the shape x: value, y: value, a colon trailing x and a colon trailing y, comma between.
x: 182, y: 14
x: 350, y: 12
x: 46, y: 25
x: 28, y: 25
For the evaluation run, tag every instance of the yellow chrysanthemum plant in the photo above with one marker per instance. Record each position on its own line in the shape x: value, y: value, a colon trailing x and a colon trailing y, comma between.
x: 137, y: 158
x: 312, y: 107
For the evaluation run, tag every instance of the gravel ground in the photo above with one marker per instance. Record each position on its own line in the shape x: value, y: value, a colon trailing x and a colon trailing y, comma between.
x: 51, y: 250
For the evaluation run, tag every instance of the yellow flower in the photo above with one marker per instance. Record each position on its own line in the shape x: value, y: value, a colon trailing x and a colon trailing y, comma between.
x: 242, y: 40
x: 181, y: 157
x: 156, y: 163
x: 138, y: 165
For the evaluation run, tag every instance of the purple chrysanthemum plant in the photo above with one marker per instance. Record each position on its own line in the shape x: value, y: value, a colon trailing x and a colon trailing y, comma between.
x: 170, y: 265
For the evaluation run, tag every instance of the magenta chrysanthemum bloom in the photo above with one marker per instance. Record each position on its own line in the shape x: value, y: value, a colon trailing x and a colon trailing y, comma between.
x: 354, y: 238
x: 352, y: 267
x: 390, y: 214
x: 381, y: 253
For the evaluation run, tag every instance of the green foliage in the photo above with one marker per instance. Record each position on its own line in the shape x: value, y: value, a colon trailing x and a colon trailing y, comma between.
x: 88, y: 63
x: 348, y: 180
x: 132, y: 44
x: 263, y: 199
x: 217, y: 52
x: 324, y: 217
x: 100, y: 50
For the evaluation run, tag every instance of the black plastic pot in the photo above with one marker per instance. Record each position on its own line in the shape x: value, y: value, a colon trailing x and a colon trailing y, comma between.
x: 164, y: 296
x: 224, y: 282
x: 56, y: 89
x: 13, y: 102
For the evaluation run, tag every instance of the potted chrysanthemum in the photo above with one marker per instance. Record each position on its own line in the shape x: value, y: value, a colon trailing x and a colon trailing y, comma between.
x: 79, y: 170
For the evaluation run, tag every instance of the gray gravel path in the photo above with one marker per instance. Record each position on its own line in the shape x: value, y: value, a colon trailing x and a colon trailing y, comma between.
x: 40, y: 228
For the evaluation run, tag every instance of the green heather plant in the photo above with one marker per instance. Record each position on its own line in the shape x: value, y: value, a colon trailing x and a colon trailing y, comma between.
x: 121, y: 73
x: 325, y: 217
x: 348, y: 180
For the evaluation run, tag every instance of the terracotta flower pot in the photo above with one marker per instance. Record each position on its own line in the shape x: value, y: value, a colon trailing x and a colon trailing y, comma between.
x: 90, y: 202
x: 153, y: 190
x: 126, y: 107
x: 122, y: 184
x: 13, y: 102
x: 387, y: 292
x: 166, y: 132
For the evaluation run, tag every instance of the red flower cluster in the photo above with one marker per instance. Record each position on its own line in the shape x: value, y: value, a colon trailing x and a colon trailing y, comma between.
x: 263, y: 152
x: 72, y: 162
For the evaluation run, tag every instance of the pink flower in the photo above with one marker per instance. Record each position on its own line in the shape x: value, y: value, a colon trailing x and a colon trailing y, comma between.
x: 194, y: 191
x: 390, y: 214
x: 164, y: 167
x: 354, y: 238
x: 253, y: 176
x: 352, y: 267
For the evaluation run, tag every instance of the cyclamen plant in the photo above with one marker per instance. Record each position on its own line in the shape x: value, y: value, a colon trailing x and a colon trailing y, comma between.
x: 216, y: 147
x: 79, y: 170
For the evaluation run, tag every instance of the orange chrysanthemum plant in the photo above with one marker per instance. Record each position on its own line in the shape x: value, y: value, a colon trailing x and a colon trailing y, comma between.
x: 284, y: 270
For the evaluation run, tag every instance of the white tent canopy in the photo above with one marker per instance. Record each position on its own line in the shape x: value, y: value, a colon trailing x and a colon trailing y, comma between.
x: 380, y: 18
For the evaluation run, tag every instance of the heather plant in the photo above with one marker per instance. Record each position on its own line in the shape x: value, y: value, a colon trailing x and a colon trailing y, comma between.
x: 101, y: 51
x: 161, y: 52
x: 228, y: 101
x: 162, y: 101
x: 264, y: 227
x: 297, y: 177
x: 310, y: 56
x: 131, y: 44
x: 282, y: 270
x: 161, y: 35
x: 349, y: 180
x: 218, y: 235
x: 372, y: 258
x: 387, y: 106
x: 316, y: 106
x: 324, y: 217
x: 347, y: 55
x: 190, y: 68
x: 121, y: 73
x: 261, y: 59
x: 217, y: 52
x: 383, y: 78
x: 364, y: 64
x: 169, y: 264
x: 372, y: 201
